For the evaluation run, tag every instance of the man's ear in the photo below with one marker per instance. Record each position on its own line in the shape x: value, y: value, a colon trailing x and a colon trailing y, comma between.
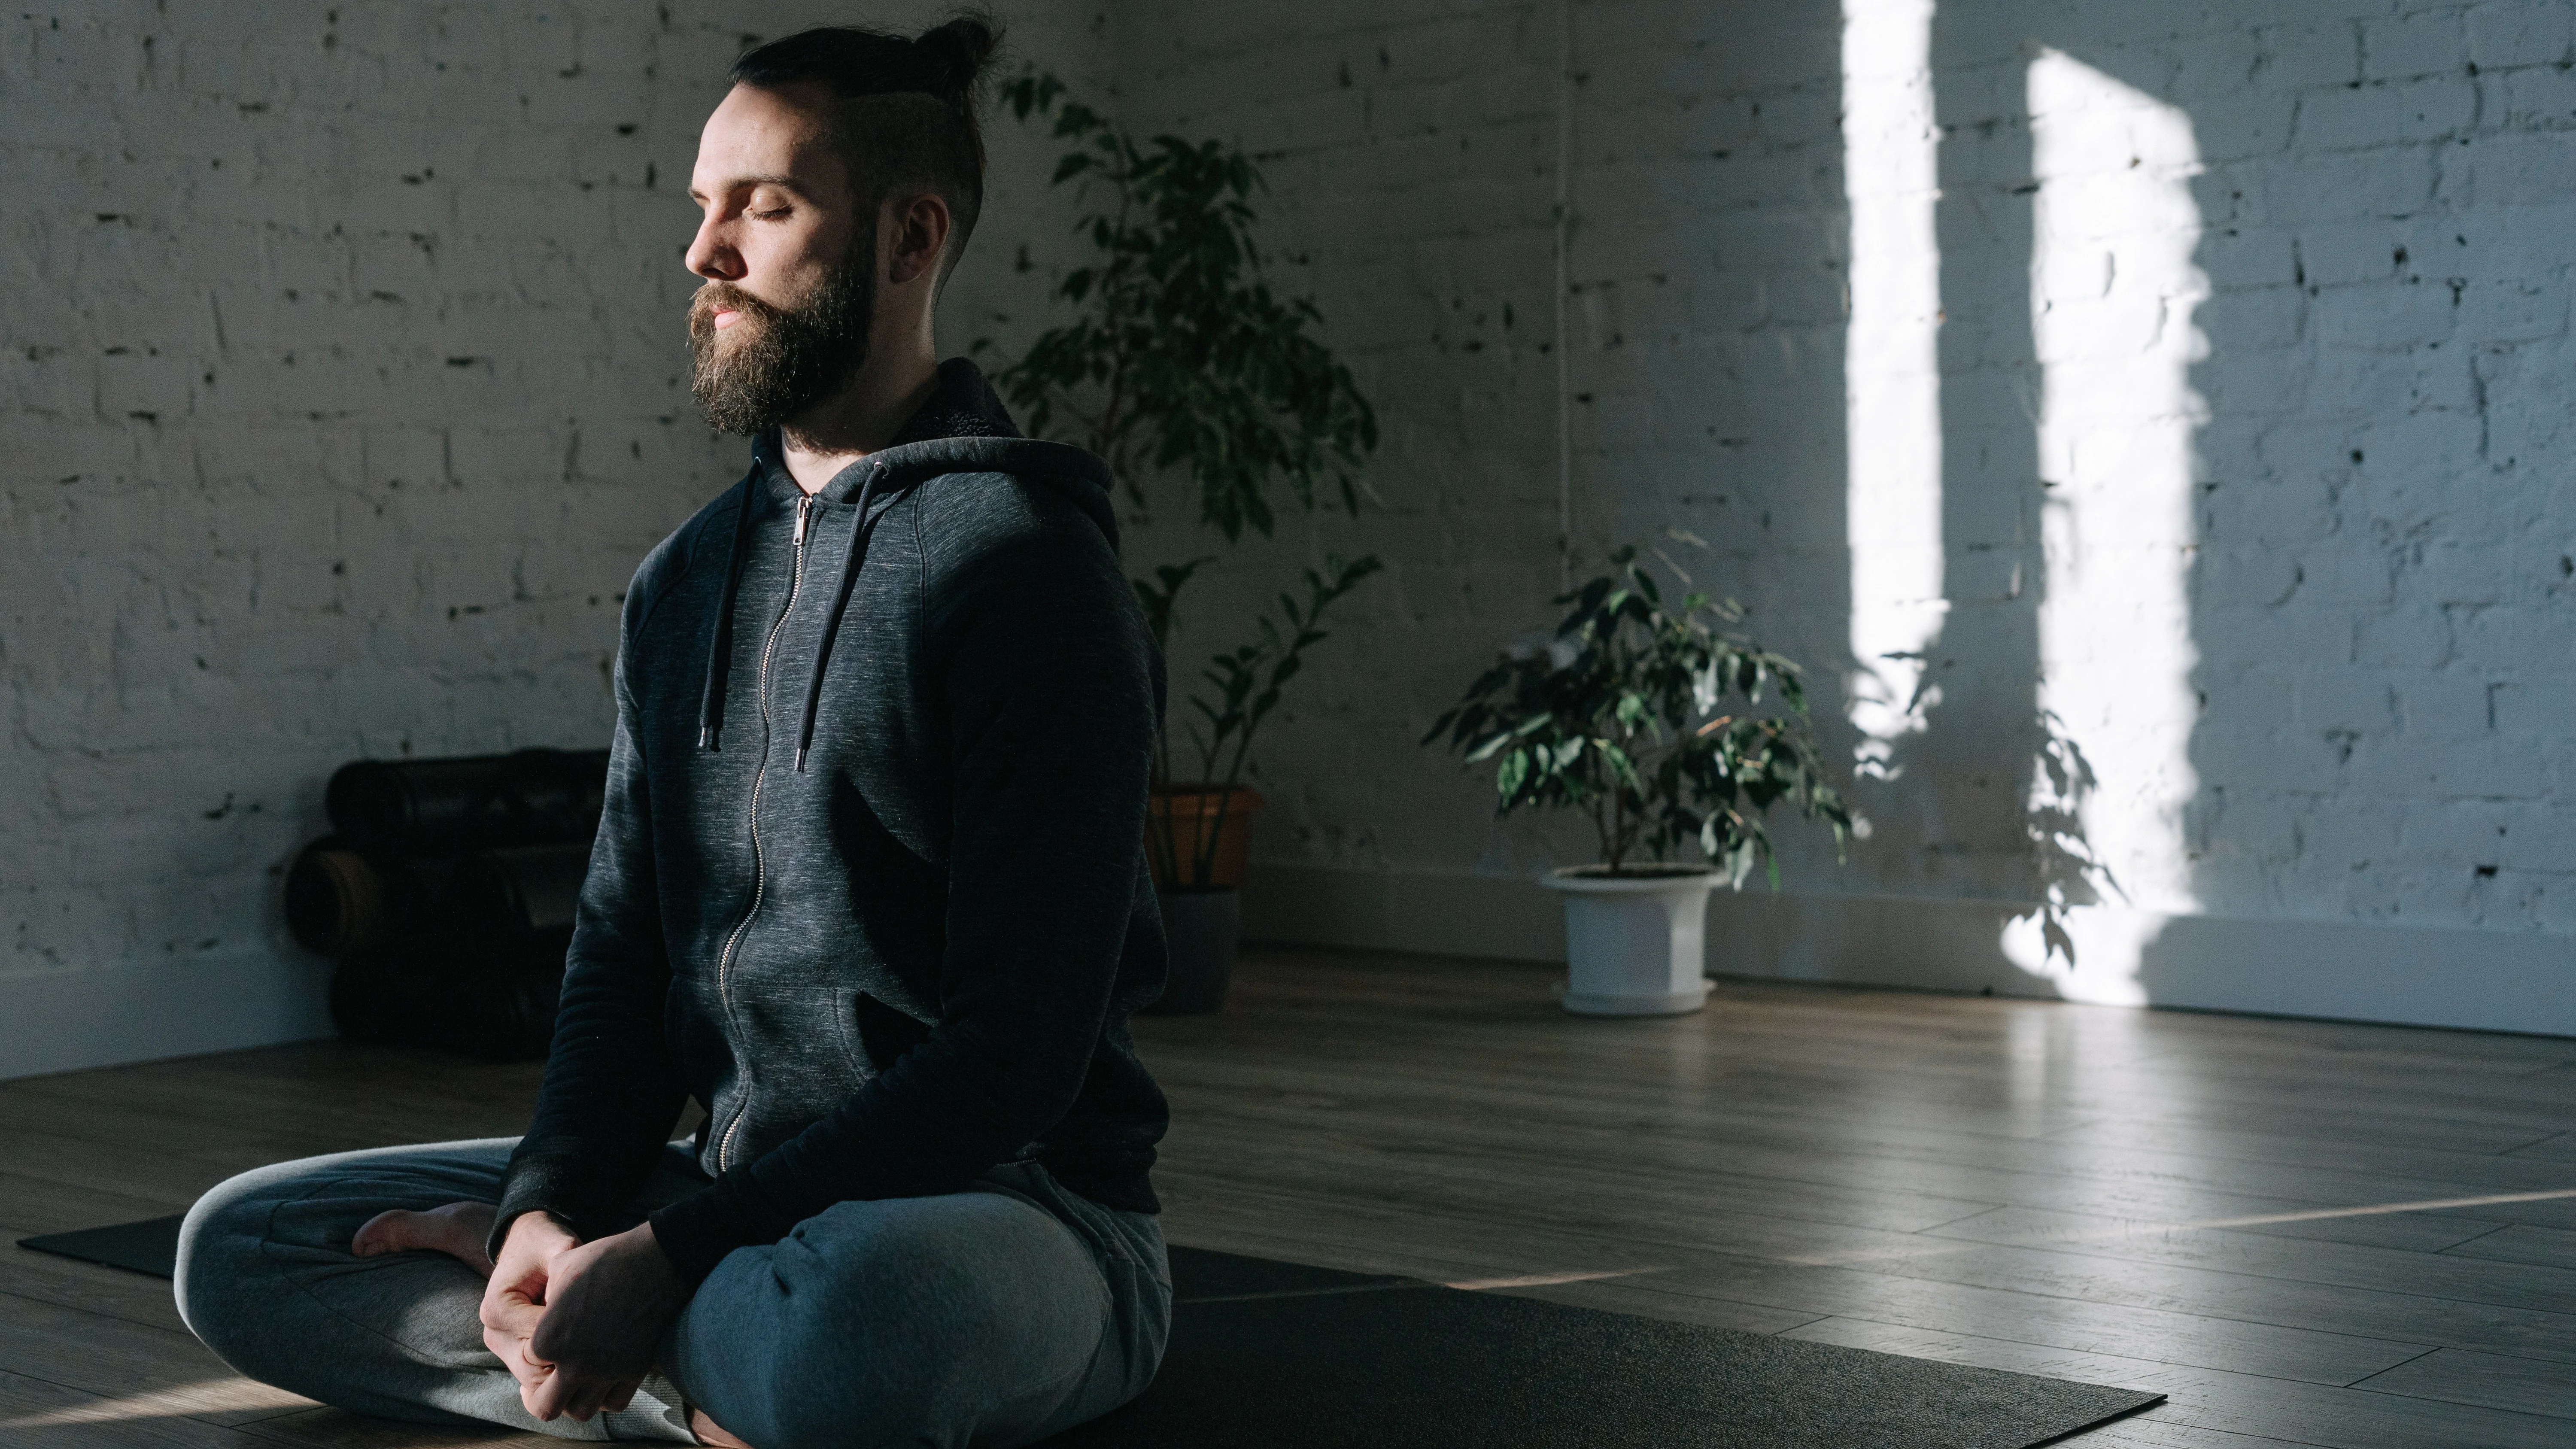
x: 919, y: 230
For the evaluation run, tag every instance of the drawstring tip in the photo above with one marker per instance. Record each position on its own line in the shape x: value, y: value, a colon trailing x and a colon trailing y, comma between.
x: 706, y: 737
x: 800, y: 759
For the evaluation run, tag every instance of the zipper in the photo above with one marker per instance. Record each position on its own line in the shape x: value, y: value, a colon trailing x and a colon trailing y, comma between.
x: 760, y: 772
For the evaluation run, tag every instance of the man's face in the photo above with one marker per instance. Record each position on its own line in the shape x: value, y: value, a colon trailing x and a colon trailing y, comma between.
x: 783, y: 319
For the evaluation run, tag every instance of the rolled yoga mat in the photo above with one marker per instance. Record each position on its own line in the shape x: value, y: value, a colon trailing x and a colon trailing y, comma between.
x: 1268, y: 1354
x: 495, y: 1001
x: 341, y: 901
x: 430, y: 806
x: 460, y: 953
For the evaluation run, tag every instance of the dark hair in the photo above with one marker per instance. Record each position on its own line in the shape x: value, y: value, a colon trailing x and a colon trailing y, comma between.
x: 904, y: 112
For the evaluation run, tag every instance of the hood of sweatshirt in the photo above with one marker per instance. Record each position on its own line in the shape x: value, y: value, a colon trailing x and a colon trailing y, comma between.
x: 962, y: 428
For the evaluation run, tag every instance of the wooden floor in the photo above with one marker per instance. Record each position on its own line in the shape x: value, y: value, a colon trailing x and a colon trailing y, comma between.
x: 2303, y: 1232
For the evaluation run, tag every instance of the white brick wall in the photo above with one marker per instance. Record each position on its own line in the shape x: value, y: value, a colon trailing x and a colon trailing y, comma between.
x: 344, y: 390
x: 2375, y: 563
x: 343, y: 385
x: 1410, y: 150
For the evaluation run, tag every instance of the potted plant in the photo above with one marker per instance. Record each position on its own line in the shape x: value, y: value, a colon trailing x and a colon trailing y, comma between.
x: 1618, y: 717
x: 1180, y: 362
x: 1198, y: 833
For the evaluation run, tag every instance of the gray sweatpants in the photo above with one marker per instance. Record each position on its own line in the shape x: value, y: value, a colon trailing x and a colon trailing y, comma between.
x: 993, y: 1316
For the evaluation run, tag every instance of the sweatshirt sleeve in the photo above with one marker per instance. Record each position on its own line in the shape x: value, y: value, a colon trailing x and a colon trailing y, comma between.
x: 1037, y: 659
x: 611, y: 1090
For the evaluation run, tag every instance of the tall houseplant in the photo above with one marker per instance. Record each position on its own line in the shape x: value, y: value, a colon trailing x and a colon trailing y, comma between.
x: 1619, y: 718
x: 1180, y: 362
x: 1246, y: 681
x: 1180, y: 357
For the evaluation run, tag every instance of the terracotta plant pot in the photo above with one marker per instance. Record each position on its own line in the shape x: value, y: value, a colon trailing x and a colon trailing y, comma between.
x: 1190, y: 813
x: 1201, y: 930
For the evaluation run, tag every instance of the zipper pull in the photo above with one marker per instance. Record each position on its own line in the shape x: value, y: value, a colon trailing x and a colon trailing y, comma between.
x: 802, y: 506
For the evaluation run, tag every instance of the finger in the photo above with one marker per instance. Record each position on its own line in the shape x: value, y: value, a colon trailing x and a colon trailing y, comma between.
x: 537, y: 1391
x: 611, y: 1395
x: 585, y: 1395
x: 511, y: 1311
x: 581, y: 1395
x: 605, y: 1397
x: 512, y: 1352
x: 551, y: 1395
x: 511, y: 1336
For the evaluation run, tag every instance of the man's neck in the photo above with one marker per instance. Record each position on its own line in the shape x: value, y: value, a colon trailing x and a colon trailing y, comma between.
x: 860, y: 419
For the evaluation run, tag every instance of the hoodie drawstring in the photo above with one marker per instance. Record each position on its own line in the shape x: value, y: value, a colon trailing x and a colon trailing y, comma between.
x: 832, y: 622
x: 720, y: 657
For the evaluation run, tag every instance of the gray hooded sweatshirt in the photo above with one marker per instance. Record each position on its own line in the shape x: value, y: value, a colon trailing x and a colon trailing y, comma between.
x: 870, y: 882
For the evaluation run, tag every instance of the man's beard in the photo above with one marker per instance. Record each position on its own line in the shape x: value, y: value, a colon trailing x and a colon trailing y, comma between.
x: 773, y: 363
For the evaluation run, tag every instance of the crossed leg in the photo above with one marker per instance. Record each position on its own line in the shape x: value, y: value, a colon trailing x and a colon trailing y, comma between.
x: 463, y: 1231
x: 1000, y: 1314
x: 272, y: 1276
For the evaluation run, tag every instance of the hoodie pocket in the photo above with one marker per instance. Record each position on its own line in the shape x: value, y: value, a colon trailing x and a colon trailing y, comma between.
x: 848, y: 1035
x: 881, y: 1034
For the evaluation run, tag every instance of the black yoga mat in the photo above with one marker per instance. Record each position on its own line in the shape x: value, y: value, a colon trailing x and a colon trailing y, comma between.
x: 1268, y: 1354
x: 150, y: 1246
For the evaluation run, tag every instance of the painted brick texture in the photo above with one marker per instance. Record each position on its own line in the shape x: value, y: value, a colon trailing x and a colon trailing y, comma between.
x: 2372, y: 569
x: 1412, y: 157
x: 2374, y: 553
x: 345, y: 386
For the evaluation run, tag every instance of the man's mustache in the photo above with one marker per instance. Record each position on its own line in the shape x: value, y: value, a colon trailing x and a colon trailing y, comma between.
x: 717, y: 297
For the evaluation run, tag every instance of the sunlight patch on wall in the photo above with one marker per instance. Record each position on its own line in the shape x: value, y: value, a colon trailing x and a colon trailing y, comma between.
x: 2113, y: 289
x: 1892, y: 377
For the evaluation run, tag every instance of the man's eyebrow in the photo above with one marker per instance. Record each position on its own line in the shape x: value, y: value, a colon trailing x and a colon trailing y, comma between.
x: 765, y: 179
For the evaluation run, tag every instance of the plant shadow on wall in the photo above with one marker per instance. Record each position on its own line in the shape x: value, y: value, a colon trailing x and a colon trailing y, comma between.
x: 1186, y: 372
x: 1618, y: 717
x: 2042, y: 756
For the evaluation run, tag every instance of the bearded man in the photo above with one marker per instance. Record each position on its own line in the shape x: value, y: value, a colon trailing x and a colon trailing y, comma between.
x: 869, y: 887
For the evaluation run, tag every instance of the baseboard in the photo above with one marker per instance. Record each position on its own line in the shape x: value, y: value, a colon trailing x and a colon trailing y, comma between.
x: 62, y: 1021
x: 2409, y: 975
x: 1428, y: 912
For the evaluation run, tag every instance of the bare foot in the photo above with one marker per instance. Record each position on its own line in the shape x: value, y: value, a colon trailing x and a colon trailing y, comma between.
x: 459, y: 1230
x: 708, y: 1433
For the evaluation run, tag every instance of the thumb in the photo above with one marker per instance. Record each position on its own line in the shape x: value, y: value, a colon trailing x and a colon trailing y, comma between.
x: 510, y: 1308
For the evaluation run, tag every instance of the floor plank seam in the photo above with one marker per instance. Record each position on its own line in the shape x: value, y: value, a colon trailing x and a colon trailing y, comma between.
x: 2532, y: 1414
x: 1962, y: 1246
x: 160, y: 1328
x: 2136, y: 1358
x: 2464, y: 1242
x: 2392, y: 1368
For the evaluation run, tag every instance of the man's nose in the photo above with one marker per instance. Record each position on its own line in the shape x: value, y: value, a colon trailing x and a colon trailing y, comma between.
x: 708, y: 256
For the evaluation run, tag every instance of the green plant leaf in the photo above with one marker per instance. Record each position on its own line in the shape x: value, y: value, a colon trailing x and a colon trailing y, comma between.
x: 1630, y: 729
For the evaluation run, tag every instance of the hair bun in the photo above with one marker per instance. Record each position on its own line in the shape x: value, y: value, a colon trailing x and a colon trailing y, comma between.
x: 954, y: 54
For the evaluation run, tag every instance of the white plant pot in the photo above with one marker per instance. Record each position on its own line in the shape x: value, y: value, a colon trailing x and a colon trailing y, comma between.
x: 1634, y: 944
